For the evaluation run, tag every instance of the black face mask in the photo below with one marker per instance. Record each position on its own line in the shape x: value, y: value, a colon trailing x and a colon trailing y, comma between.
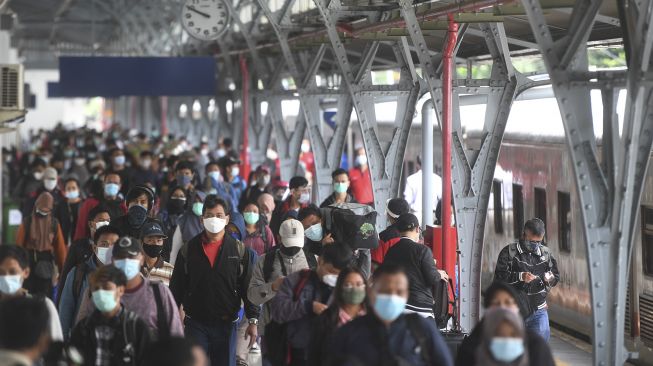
x: 531, y: 245
x: 176, y: 205
x: 289, y: 251
x: 136, y: 215
x: 152, y: 251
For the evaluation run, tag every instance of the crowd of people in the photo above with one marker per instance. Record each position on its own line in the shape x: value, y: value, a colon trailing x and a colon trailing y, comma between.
x: 135, y: 250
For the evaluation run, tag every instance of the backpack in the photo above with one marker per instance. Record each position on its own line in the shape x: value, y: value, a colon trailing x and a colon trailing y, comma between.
x: 81, y: 271
x: 161, y: 321
x: 268, y: 262
x: 354, y: 224
x: 444, y: 300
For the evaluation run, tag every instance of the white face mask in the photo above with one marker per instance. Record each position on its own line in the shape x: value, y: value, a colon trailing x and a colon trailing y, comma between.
x: 235, y: 171
x: 305, y: 148
x: 214, y: 225
x: 104, y: 255
x: 361, y: 160
x: 146, y: 164
x: 50, y: 184
x: 38, y: 175
x: 99, y: 224
x: 330, y: 279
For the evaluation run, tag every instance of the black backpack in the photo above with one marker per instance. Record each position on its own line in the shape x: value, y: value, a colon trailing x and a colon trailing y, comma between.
x: 352, y: 223
x: 442, y: 302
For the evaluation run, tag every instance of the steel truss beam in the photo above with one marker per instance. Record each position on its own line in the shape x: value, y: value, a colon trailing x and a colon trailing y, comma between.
x: 610, y: 193
x: 385, y: 158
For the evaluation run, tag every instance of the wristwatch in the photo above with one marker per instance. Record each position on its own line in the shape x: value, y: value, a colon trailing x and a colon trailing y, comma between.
x: 252, y: 321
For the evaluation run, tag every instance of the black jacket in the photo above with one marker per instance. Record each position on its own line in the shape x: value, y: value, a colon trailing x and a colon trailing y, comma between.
x: 84, y: 338
x: 539, y: 353
x: 514, y: 259
x: 213, y: 294
x: 332, y: 199
x: 122, y: 223
x: 79, y: 252
x: 417, y: 261
x: 66, y: 213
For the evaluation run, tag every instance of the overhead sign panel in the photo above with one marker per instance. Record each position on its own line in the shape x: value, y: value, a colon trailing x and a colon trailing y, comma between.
x: 135, y: 76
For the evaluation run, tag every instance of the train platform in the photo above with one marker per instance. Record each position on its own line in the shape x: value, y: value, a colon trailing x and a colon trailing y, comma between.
x: 568, y: 350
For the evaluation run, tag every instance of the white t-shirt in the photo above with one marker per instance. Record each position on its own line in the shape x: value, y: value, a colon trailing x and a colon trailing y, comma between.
x: 413, y: 192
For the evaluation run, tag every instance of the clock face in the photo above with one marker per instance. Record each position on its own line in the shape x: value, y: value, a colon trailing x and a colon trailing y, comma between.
x: 205, y: 19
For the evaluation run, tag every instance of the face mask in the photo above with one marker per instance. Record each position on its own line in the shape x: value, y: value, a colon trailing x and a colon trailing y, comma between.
x: 119, y: 160
x: 130, y: 267
x: 506, y: 349
x: 251, y: 218
x: 235, y: 171
x: 146, y: 164
x: 389, y: 307
x: 305, y: 148
x: 136, y: 215
x: 531, y: 245
x: 72, y: 195
x: 330, y: 279
x: 204, y: 152
x: 10, y: 284
x: 104, y: 300
x: 99, y: 224
x: 221, y: 153
x: 304, y: 198
x: 197, y: 208
x: 50, y: 184
x: 176, y: 205
x: 80, y: 161
x: 314, y: 232
x: 104, y: 254
x: 153, y: 251
x: 264, y: 180
x: 354, y: 295
x: 38, y: 175
x: 289, y: 251
x: 183, y: 180
x: 111, y: 189
x: 361, y: 160
x: 214, y: 225
x: 215, y: 175
x: 340, y: 187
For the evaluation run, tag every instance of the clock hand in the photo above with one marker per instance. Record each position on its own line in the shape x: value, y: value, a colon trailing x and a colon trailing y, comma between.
x: 192, y: 8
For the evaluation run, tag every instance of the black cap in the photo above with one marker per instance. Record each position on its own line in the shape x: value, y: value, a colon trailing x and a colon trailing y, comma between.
x: 396, y: 207
x: 152, y: 228
x: 296, y: 182
x: 407, y: 222
x: 126, y: 247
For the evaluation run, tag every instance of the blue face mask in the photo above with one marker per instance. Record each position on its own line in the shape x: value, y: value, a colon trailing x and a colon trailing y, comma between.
x: 111, y: 189
x: 389, y: 307
x: 72, y: 195
x: 104, y: 300
x: 340, y: 187
x: 215, y: 175
x: 505, y: 349
x: 183, y: 180
x: 251, y: 218
x: 10, y: 284
x: 136, y: 215
x: 314, y: 232
x: 130, y: 267
x: 119, y: 160
x: 531, y: 245
x: 197, y: 208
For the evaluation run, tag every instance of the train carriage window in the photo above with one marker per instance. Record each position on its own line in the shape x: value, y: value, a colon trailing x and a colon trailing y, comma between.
x: 498, y: 206
x: 540, y: 205
x: 647, y: 240
x: 517, y: 209
x: 564, y: 221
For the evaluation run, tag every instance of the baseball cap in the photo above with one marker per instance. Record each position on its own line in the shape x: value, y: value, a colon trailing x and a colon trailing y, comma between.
x: 396, y: 207
x: 152, y: 228
x: 292, y: 233
x: 50, y: 173
x: 127, y: 247
x: 407, y: 222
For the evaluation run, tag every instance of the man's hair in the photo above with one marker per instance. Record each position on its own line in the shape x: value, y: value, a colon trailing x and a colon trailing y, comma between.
x: 38, y: 162
x: 213, y: 201
x: 535, y: 226
x: 112, y: 172
x: 107, y: 229
x: 337, y: 254
x: 338, y: 172
x: 185, y: 164
x: 210, y: 163
x: 297, y: 182
x: 23, y: 321
x: 71, y: 179
x: 145, y: 153
x: 309, y: 210
x: 95, y: 211
x: 113, y: 151
x: 387, y: 269
x: 108, y: 273
x: 14, y: 252
x: 170, y: 351
x: 227, y: 142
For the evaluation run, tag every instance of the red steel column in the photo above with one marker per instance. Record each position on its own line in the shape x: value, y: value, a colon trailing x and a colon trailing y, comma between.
x: 244, y: 154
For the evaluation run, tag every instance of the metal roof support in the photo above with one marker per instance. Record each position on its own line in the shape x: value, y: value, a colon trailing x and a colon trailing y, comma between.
x: 288, y: 144
x: 608, y: 215
x: 385, y: 158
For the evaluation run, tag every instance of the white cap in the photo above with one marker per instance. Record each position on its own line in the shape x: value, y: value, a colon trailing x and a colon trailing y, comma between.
x: 292, y: 233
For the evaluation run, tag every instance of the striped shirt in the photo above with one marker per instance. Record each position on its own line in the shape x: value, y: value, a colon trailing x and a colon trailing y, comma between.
x: 161, y: 271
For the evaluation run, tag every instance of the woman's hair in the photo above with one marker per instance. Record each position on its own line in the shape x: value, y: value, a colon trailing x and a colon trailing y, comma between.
x: 492, y: 319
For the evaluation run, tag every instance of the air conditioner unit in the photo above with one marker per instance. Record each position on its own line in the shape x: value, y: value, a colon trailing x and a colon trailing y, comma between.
x: 12, y: 103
